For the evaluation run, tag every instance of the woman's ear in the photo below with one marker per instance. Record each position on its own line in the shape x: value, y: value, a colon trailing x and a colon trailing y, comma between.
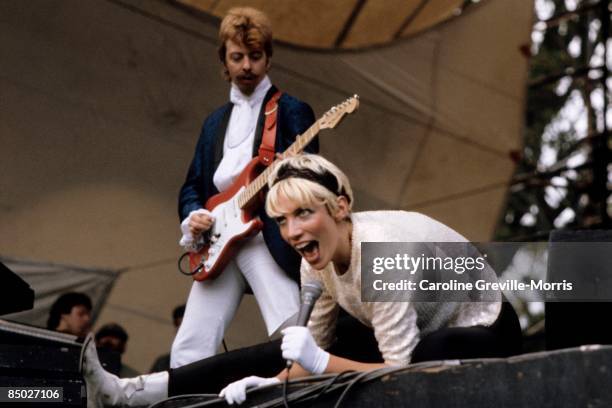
x: 343, y: 210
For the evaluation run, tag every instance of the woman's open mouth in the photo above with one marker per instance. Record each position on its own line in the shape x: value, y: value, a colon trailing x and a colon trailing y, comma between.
x: 309, y: 251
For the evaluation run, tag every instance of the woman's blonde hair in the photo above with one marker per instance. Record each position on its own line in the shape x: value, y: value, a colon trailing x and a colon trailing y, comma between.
x: 307, y: 180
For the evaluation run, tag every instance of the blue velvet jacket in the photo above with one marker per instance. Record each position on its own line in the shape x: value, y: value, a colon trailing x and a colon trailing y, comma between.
x: 293, y: 118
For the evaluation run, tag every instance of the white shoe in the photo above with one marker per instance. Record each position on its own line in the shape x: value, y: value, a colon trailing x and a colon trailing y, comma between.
x: 107, y: 390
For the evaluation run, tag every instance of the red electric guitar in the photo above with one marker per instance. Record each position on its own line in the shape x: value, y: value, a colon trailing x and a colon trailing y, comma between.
x: 234, y: 209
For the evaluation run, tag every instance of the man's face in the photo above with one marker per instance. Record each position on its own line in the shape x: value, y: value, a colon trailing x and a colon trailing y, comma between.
x: 246, y: 67
x: 77, y: 322
x: 111, y: 343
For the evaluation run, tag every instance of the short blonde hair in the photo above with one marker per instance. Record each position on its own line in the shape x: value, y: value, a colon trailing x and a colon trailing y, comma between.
x: 247, y: 26
x: 307, y: 180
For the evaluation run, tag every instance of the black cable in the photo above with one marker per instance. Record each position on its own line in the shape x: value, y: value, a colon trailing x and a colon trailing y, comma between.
x: 348, y: 388
x: 285, y: 383
x: 214, y: 401
x: 301, y: 396
x: 184, y: 396
x: 325, y: 388
x: 279, y: 402
x: 308, y: 393
x: 190, y: 273
x: 315, y: 391
x: 331, y: 383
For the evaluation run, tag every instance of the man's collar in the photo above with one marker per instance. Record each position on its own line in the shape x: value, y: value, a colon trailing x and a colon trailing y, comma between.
x: 258, y: 95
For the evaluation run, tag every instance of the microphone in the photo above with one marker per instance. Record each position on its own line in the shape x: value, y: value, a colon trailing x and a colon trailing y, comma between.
x: 309, y: 295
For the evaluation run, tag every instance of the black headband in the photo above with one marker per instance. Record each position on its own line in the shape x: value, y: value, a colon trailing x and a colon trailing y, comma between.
x: 326, y: 179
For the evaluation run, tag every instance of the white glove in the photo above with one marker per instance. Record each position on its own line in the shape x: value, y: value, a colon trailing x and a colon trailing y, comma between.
x: 188, y: 241
x: 235, y: 393
x: 299, y: 346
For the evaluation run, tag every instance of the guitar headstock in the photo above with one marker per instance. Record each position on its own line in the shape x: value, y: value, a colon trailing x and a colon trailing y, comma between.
x: 333, y: 116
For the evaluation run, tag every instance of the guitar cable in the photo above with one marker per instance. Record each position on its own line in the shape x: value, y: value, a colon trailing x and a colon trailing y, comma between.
x: 190, y: 273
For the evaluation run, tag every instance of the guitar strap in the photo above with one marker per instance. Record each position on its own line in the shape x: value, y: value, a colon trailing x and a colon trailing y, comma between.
x: 266, y: 149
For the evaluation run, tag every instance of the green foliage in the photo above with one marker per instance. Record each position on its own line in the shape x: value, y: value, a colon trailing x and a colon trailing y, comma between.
x: 560, y: 74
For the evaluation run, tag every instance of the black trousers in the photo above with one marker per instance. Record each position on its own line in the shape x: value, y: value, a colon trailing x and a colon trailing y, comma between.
x: 356, y: 342
x: 502, y: 339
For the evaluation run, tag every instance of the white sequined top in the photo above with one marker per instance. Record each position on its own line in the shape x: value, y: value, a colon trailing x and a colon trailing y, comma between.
x: 398, y: 326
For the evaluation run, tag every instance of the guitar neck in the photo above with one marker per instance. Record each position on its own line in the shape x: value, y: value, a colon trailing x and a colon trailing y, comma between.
x: 301, y: 141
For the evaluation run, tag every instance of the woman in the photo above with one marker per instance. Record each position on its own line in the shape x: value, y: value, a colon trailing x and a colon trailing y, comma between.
x: 311, y: 200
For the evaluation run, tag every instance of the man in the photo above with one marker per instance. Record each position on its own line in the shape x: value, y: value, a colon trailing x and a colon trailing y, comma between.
x: 71, y: 313
x: 113, y: 337
x: 230, y: 138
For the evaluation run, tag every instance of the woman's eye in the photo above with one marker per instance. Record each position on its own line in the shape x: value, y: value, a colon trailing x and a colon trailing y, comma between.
x: 280, y: 220
x: 304, y: 212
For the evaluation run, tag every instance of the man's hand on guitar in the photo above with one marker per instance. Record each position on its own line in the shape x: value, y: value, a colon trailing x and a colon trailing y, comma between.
x: 199, y: 223
x: 196, y: 223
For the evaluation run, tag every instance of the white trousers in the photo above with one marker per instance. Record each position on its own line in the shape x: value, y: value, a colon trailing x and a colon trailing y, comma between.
x: 212, y: 304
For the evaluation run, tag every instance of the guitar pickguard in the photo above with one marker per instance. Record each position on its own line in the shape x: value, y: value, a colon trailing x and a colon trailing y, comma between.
x: 229, y: 226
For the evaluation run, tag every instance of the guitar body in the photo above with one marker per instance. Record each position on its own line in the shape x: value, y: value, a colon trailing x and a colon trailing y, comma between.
x: 237, y: 221
x: 232, y: 226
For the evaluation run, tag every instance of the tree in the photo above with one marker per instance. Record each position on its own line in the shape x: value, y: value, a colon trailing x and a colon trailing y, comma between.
x: 561, y: 178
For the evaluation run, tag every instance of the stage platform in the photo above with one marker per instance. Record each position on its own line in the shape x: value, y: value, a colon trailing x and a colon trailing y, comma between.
x: 577, y: 377
x: 574, y: 377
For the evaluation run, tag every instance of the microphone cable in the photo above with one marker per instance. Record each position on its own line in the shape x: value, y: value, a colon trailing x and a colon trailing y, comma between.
x: 285, y: 384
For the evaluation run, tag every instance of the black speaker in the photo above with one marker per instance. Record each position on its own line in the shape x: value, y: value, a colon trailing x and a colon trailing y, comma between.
x: 42, y: 366
x: 15, y: 294
x: 573, y: 323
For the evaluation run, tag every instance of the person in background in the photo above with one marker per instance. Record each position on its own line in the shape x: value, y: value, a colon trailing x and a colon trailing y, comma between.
x: 71, y: 314
x: 113, y: 337
x: 163, y: 362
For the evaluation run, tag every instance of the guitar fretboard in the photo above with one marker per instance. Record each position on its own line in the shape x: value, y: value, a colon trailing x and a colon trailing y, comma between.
x: 259, y: 183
